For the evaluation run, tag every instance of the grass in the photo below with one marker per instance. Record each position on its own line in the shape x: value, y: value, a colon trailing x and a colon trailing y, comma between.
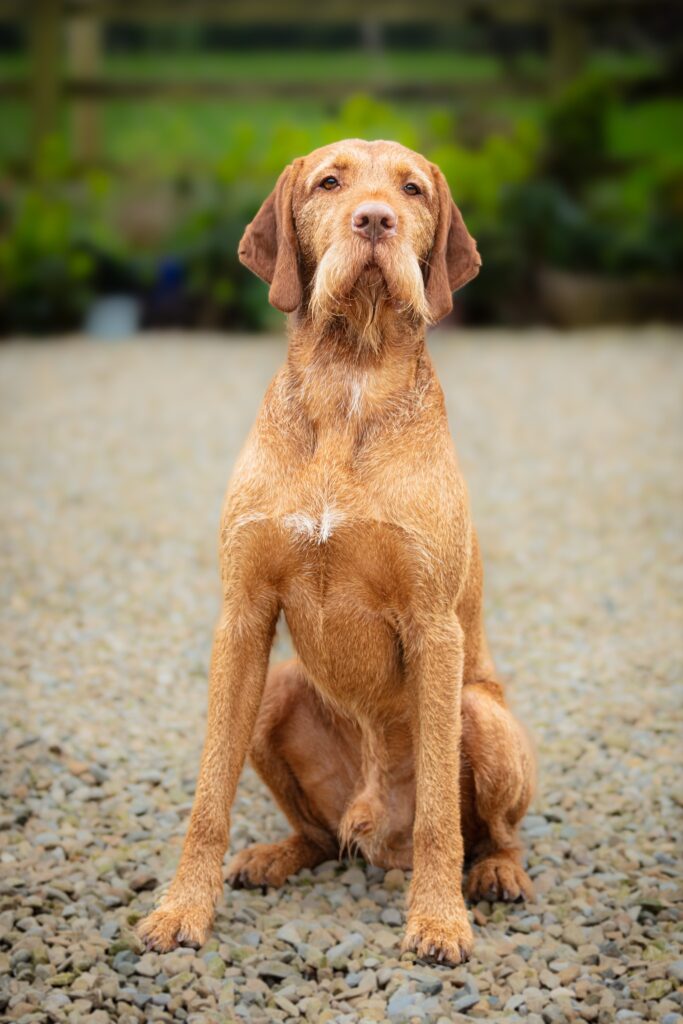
x: 275, y: 66
x: 160, y: 136
x: 311, y: 67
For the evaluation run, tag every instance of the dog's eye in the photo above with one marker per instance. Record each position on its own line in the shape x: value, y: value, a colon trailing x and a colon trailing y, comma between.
x: 329, y: 183
x: 412, y: 189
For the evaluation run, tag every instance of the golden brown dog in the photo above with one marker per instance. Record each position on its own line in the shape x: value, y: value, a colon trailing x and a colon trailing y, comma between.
x: 347, y: 512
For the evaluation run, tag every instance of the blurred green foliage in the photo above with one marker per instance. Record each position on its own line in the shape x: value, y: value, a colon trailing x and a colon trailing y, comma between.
x: 575, y: 181
x: 45, y: 269
x: 587, y: 209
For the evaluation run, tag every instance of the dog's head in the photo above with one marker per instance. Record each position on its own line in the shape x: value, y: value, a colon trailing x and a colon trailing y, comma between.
x: 359, y: 223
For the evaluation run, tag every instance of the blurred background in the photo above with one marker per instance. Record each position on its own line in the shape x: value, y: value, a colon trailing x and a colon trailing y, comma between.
x: 138, y: 138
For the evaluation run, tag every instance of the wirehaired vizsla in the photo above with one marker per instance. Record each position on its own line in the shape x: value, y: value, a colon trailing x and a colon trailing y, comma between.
x: 347, y: 512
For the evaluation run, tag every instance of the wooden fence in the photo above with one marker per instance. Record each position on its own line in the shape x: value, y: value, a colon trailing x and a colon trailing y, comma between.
x: 73, y: 29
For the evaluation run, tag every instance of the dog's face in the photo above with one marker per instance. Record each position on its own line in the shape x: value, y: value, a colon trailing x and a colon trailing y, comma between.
x: 357, y: 225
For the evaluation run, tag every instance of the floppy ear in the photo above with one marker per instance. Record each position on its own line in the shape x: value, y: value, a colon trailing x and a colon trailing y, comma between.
x: 454, y: 259
x: 269, y: 245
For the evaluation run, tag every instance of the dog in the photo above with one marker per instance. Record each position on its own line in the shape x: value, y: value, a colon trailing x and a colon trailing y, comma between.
x: 389, y: 733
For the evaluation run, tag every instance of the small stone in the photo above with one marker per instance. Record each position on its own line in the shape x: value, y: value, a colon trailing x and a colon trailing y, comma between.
x: 140, y: 806
x: 61, y: 980
x: 385, y: 939
x: 47, y: 839
x: 394, y: 879
x: 535, y: 999
x: 569, y: 974
x: 465, y: 1001
x: 215, y: 967
x: 427, y: 981
x: 274, y: 969
x: 658, y: 989
x: 286, y: 1005
x: 339, y: 954
x: 180, y: 981
x: 143, y: 881
x: 405, y: 1004
x: 574, y: 935
x: 675, y: 970
x: 311, y: 955
x: 353, y: 876
x: 289, y: 933
x: 55, y: 1001
x: 148, y: 965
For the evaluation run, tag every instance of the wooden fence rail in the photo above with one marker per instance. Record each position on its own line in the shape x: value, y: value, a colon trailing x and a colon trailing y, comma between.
x: 76, y: 26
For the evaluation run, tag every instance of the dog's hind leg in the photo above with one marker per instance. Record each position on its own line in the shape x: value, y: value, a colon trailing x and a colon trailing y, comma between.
x: 265, y: 864
x: 498, y: 755
x: 296, y: 751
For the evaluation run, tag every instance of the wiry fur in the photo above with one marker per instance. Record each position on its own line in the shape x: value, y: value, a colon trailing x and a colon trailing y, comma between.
x: 356, y: 300
x: 388, y: 734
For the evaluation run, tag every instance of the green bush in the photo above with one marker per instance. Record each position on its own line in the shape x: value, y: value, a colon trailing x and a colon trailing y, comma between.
x: 581, y: 210
x: 49, y: 234
x: 546, y: 193
x: 576, y: 131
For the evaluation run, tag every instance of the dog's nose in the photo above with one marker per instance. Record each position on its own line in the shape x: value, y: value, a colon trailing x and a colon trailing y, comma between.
x: 374, y: 221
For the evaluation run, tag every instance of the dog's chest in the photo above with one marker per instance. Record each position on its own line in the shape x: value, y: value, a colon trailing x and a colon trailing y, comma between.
x: 346, y: 572
x: 313, y: 526
x: 338, y: 597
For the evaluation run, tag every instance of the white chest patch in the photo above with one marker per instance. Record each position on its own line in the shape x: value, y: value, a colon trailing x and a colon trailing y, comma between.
x: 316, y: 529
x: 355, y: 406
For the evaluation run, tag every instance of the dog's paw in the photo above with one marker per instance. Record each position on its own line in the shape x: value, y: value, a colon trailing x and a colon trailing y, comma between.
x: 270, y: 864
x: 176, y: 924
x: 499, y: 877
x: 439, y: 940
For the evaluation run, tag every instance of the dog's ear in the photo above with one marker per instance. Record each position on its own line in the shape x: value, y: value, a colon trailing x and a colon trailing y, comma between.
x: 454, y: 259
x: 269, y: 245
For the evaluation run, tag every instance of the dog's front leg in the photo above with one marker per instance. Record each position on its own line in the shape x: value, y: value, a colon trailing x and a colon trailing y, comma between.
x: 239, y: 663
x: 437, y: 926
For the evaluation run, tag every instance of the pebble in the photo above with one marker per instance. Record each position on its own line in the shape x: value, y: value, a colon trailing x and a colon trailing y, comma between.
x: 274, y: 969
x: 465, y: 1002
x: 148, y: 965
x: 394, y: 879
x: 353, y: 876
x: 404, y: 1005
x: 340, y: 953
x: 142, y: 881
x: 289, y: 933
x: 675, y: 970
x: 114, y: 460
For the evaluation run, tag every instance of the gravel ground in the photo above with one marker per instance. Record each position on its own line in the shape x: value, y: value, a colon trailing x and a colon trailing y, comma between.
x: 114, y: 460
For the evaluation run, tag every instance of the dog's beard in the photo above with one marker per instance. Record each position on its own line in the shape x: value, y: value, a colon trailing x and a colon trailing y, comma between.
x: 355, y: 289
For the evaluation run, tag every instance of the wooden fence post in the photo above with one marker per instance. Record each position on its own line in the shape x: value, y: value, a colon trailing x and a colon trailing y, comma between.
x: 45, y: 39
x: 568, y: 43
x: 84, y: 52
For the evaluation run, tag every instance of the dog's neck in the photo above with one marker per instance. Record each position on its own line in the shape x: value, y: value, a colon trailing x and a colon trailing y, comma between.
x: 342, y: 383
